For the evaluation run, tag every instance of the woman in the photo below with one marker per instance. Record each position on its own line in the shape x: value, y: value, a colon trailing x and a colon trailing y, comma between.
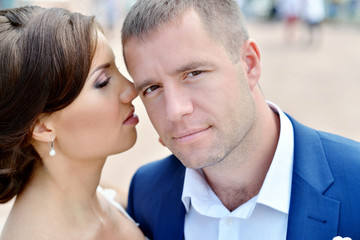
x: 64, y: 107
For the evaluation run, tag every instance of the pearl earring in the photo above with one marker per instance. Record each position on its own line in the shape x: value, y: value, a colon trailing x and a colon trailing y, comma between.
x: 52, y: 152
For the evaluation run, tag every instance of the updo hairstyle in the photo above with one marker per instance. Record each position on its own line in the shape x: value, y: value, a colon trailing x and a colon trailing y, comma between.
x: 45, y: 57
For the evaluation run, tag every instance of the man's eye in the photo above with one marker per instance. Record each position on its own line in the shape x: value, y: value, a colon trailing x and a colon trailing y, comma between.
x: 194, y: 73
x: 150, y: 89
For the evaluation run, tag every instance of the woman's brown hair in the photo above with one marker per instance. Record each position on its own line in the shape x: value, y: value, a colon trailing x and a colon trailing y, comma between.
x: 45, y: 57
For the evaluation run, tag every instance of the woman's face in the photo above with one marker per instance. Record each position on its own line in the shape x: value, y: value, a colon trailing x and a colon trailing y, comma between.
x: 101, y: 120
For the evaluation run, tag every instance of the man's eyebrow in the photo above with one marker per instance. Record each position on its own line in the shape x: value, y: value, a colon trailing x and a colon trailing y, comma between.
x: 190, y: 66
x: 143, y: 84
x: 105, y: 65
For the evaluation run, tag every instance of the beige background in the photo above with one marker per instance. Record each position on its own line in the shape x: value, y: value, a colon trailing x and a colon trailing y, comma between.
x: 319, y: 86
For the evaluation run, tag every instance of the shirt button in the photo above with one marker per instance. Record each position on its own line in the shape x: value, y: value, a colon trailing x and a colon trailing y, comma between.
x: 229, y: 221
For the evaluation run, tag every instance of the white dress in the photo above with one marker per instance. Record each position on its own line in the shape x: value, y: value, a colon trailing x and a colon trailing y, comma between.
x: 110, y: 194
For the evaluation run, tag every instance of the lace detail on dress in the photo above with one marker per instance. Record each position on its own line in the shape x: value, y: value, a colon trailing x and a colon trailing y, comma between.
x: 110, y: 195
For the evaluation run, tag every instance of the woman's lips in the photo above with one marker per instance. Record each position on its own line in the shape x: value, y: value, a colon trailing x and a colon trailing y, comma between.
x: 132, y: 119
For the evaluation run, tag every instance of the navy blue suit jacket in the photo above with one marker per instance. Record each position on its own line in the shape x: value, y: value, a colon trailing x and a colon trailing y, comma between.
x: 325, y: 194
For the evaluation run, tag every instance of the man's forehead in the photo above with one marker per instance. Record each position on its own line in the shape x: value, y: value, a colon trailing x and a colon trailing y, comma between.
x: 189, y: 15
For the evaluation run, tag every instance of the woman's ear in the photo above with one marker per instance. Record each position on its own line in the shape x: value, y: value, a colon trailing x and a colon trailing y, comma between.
x: 43, y: 130
x: 251, y: 58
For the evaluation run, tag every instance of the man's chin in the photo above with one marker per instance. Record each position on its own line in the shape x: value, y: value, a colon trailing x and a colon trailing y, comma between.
x: 196, y: 162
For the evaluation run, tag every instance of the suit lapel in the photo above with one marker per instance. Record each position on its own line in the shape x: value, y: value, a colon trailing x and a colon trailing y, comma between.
x: 171, y: 215
x: 170, y: 221
x: 312, y: 215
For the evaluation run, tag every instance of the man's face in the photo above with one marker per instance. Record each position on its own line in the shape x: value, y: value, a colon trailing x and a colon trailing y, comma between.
x: 197, y: 98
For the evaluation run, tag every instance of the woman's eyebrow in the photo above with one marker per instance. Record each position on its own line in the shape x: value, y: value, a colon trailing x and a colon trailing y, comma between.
x: 105, y: 65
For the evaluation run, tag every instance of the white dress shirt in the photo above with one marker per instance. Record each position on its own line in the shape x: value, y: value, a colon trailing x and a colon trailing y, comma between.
x: 265, y: 216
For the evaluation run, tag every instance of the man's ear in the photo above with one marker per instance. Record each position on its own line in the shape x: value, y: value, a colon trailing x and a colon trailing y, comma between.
x: 161, y: 141
x: 43, y: 130
x: 251, y: 58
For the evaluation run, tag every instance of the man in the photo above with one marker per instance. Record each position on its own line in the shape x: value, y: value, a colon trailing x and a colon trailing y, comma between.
x: 241, y: 168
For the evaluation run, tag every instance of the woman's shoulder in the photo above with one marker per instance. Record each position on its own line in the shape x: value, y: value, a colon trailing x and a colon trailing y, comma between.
x: 132, y: 230
x: 24, y: 223
x: 110, y: 195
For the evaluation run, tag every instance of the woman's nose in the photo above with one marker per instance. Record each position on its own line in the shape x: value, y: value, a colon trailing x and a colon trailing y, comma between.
x: 128, y: 93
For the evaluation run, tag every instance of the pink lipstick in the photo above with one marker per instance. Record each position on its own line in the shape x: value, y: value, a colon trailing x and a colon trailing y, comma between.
x: 132, y: 119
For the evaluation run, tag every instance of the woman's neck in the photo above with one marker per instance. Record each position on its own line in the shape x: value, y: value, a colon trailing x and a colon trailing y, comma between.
x: 66, y: 190
x: 69, y: 179
x: 60, y: 202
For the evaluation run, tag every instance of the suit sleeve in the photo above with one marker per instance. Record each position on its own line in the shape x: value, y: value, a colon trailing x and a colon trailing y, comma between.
x: 130, y: 205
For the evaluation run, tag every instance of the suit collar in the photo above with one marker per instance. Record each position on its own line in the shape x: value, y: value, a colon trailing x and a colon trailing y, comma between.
x: 312, y: 215
x: 310, y: 158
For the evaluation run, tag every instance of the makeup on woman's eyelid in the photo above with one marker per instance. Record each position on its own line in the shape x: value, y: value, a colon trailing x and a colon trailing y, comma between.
x: 102, y: 81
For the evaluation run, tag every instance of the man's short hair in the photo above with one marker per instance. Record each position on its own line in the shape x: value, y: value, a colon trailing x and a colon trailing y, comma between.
x: 222, y: 19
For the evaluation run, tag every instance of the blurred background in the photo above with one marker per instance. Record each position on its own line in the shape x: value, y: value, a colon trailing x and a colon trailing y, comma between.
x: 310, y: 68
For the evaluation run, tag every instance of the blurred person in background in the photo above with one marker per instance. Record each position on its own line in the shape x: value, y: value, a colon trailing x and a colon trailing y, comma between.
x: 64, y: 108
x: 334, y: 7
x: 107, y: 13
x: 290, y: 12
x: 240, y: 3
x: 313, y: 14
x: 242, y: 168
x: 129, y: 4
x: 353, y: 8
x: 273, y: 10
x: 111, y: 10
x: 6, y: 4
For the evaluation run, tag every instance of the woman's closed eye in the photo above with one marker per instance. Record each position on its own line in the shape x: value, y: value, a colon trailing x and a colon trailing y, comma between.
x: 102, y: 81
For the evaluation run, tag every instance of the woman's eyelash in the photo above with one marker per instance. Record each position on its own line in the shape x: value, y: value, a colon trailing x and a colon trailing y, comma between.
x: 103, y: 83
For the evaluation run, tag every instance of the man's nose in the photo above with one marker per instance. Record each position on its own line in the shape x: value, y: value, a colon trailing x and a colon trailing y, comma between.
x: 178, y: 103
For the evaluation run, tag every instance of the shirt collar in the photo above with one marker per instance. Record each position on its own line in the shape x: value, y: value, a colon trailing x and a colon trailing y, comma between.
x: 274, y: 193
x: 276, y: 189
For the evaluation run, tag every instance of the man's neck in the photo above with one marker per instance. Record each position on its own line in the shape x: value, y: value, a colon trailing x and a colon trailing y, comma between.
x: 239, y: 177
